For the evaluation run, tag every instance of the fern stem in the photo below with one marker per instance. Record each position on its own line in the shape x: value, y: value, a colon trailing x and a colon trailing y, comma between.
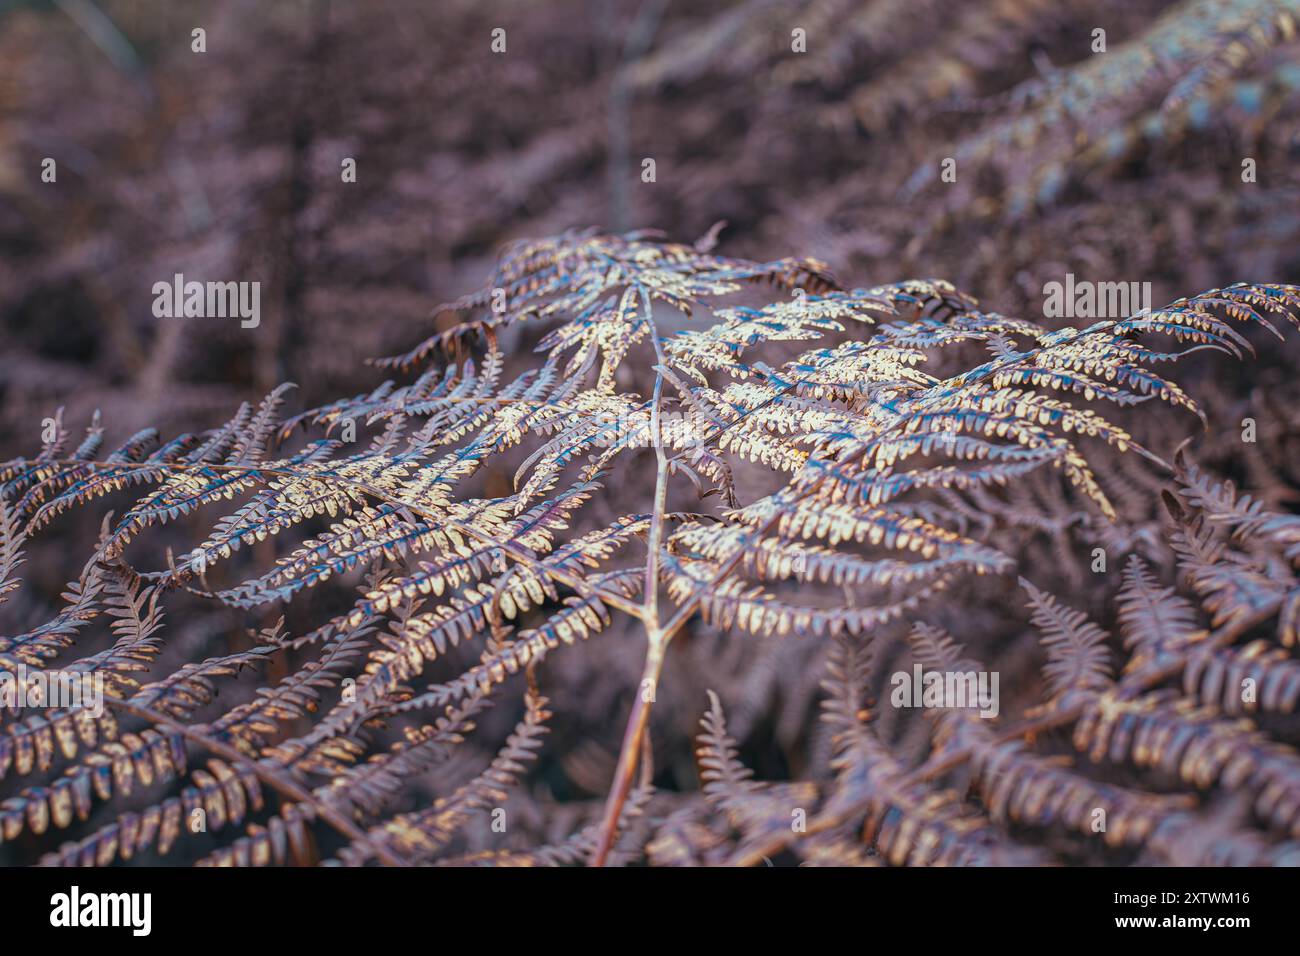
x: 657, y: 511
x: 634, y: 736
x: 631, y: 749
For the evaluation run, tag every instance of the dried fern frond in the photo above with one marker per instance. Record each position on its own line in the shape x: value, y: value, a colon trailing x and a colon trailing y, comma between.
x: 856, y: 416
x: 1174, y: 714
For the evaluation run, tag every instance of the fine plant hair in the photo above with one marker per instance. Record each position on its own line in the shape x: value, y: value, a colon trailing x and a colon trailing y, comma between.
x: 804, y: 463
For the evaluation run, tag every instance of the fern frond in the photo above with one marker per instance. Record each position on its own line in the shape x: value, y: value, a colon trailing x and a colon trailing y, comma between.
x: 856, y: 454
x: 1078, y: 659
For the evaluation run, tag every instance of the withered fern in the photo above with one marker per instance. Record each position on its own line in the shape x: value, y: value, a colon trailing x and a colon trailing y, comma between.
x: 1188, y: 710
x: 817, y: 454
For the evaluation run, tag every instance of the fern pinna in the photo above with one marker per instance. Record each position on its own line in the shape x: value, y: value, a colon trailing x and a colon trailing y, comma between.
x: 813, y: 454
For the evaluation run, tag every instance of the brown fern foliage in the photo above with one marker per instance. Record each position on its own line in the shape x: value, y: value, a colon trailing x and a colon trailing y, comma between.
x: 809, y: 464
x: 1193, y: 716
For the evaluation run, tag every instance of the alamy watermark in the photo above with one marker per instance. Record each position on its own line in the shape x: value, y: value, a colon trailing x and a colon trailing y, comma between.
x: 1094, y: 300
x: 54, y: 688
x: 633, y: 428
x: 214, y: 300
x: 75, y: 909
x: 945, y: 690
